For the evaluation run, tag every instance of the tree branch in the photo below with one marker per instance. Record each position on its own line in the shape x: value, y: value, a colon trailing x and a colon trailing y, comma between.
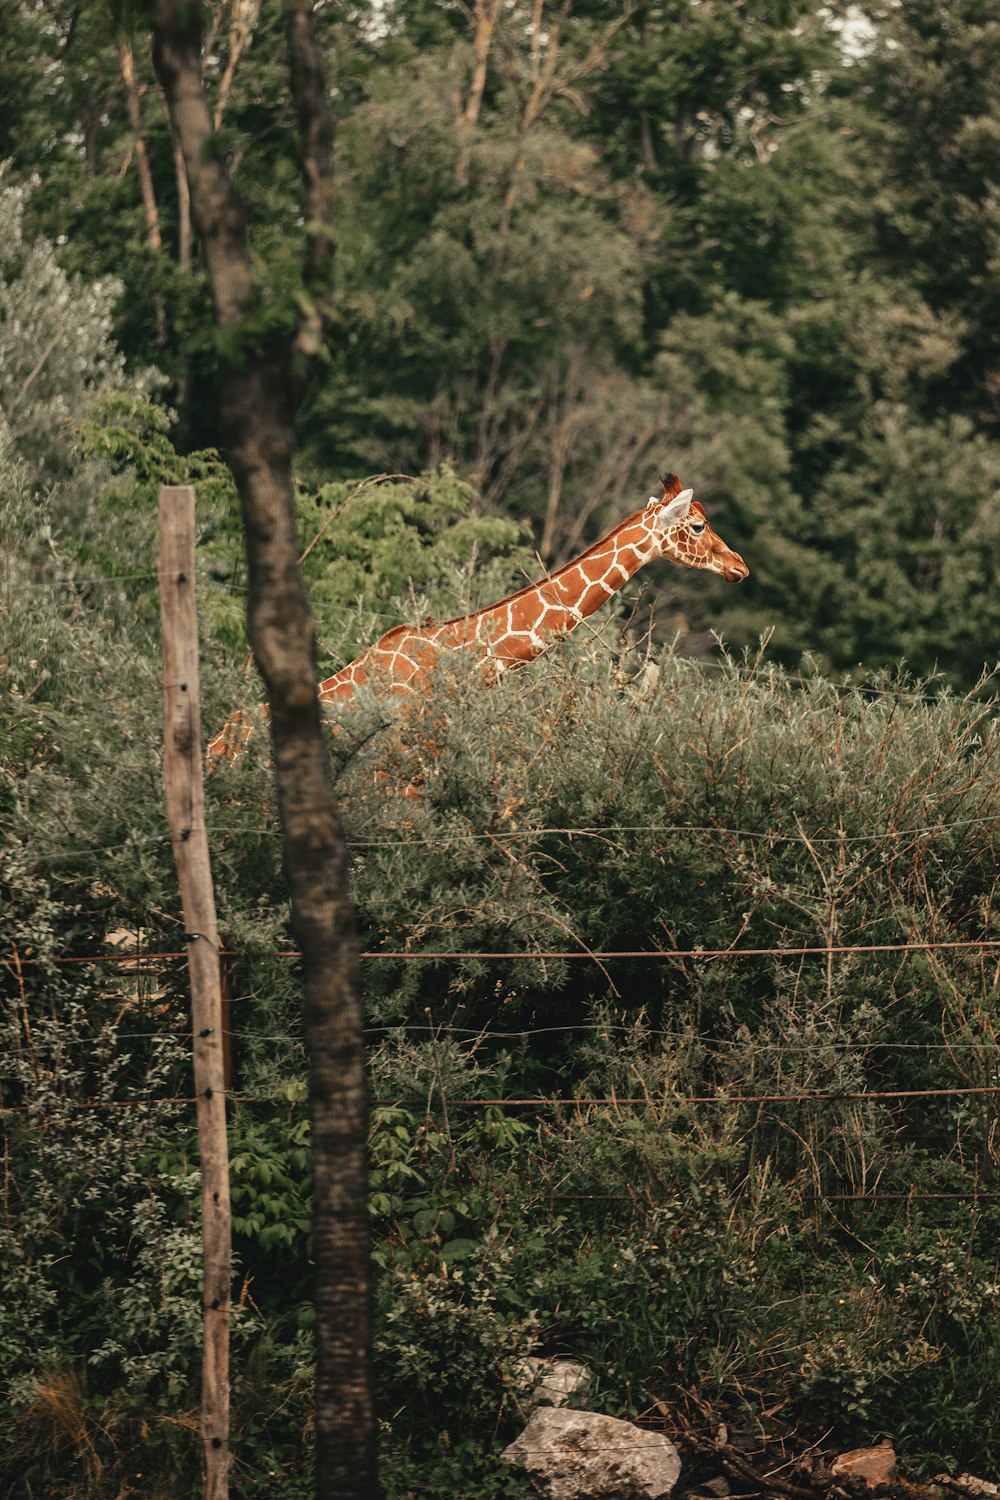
x: 218, y: 214
x: 245, y: 14
x: 316, y: 163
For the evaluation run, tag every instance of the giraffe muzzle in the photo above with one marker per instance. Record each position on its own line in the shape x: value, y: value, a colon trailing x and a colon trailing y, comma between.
x: 735, y: 570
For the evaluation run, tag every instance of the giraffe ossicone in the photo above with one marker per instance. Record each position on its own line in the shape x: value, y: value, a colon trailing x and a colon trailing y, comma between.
x: 517, y: 629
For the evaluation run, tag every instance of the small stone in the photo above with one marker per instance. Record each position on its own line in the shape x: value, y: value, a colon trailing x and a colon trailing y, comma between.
x: 873, y: 1465
x: 553, y: 1381
x: 983, y: 1487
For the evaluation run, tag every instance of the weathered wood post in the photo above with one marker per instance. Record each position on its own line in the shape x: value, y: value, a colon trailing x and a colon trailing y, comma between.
x: 185, y: 798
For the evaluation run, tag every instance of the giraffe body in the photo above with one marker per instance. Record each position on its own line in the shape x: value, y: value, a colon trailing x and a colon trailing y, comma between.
x: 519, y: 628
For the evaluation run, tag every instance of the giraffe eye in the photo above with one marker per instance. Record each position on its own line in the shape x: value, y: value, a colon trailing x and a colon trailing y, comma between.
x: 697, y: 527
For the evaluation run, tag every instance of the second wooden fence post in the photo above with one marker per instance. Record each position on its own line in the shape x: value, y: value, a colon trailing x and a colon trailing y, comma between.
x: 185, y: 798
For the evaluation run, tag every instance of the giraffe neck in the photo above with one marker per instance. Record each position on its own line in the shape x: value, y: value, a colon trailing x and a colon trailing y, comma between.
x: 517, y: 629
x: 523, y: 625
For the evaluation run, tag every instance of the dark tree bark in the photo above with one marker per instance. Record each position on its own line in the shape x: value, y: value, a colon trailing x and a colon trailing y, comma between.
x: 259, y: 394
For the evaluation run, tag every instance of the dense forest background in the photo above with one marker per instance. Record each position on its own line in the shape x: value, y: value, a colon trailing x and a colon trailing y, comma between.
x: 755, y: 243
x: 758, y: 244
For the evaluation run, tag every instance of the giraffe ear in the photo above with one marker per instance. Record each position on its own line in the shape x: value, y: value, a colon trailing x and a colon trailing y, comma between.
x: 677, y: 509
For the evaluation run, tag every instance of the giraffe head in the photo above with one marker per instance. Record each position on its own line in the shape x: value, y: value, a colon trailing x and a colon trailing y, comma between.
x: 680, y: 530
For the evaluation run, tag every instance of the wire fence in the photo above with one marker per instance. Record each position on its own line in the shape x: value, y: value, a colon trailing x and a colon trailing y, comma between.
x: 641, y: 1192
x: 604, y: 832
x: 470, y: 1034
x: 43, y: 1111
x: 720, y: 1100
x: 138, y: 963
x: 150, y: 959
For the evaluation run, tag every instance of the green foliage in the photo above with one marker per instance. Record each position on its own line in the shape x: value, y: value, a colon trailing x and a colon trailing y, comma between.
x: 267, y: 1175
x: 756, y: 248
x: 663, y: 1242
x: 934, y: 210
x: 415, y: 544
x: 450, y: 1343
x: 720, y: 244
x: 788, y: 810
x: 55, y: 344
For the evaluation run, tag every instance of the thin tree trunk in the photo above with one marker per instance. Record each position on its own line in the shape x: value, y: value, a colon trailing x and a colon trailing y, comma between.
x: 126, y: 62
x: 245, y: 14
x: 184, y: 237
x: 648, y: 147
x: 486, y: 15
x: 259, y: 393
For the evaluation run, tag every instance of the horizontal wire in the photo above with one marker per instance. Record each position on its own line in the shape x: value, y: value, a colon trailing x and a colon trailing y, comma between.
x: 107, y: 580
x: 972, y: 1194
x: 87, y: 851
x: 724, y: 1101
x: 445, y: 1031
x: 147, y: 960
x: 596, y: 831
x: 731, y: 1100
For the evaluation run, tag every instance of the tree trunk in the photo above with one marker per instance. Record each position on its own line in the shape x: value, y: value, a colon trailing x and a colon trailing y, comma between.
x: 485, y: 20
x: 257, y: 433
x: 258, y: 402
x: 126, y: 63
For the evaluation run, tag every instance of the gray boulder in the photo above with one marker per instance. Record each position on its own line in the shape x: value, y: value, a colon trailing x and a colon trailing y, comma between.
x: 582, y: 1455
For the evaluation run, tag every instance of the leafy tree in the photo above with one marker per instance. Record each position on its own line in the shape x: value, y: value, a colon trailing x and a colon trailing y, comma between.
x: 51, y: 363
x: 463, y: 300
x: 911, y: 515
x: 930, y: 123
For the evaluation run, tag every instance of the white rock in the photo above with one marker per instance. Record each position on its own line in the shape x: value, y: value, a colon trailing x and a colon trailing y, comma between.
x: 582, y: 1455
x: 552, y: 1381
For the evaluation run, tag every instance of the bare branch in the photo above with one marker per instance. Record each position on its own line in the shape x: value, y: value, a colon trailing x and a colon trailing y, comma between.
x: 315, y: 157
x: 245, y: 15
x: 484, y: 22
x: 126, y: 63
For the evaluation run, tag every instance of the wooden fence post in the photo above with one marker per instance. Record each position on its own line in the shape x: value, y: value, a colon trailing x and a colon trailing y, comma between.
x: 185, y: 798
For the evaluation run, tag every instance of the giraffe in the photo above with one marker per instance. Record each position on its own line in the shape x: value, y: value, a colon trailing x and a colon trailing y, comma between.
x: 519, y: 628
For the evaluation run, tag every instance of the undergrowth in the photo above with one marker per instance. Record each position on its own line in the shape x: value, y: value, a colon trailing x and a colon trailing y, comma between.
x: 728, y: 1186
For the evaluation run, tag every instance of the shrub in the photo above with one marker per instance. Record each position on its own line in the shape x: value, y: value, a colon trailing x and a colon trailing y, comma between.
x: 677, y: 1213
